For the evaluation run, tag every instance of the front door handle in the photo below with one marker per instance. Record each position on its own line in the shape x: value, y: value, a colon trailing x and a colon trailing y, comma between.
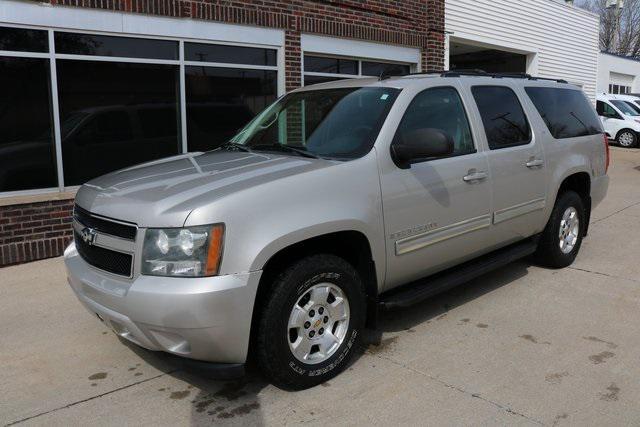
x: 474, y: 176
x: 534, y: 163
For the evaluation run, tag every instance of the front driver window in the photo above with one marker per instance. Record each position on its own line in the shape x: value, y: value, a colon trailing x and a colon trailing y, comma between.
x: 440, y: 108
x: 606, y: 110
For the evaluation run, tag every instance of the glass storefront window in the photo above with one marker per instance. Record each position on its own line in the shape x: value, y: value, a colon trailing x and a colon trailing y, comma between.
x: 126, y: 47
x: 27, y: 153
x: 220, y: 101
x: 124, y: 114
x: 384, y: 68
x: 25, y: 40
x: 322, y: 69
x: 204, y: 52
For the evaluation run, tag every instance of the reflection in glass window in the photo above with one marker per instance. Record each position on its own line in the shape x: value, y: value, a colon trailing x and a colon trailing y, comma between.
x: 205, y: 52
x: 220, y: 101
x: 27, y: 154
x: 505, y: 123
x: 21, y: 39
x: 127, y: 47
x: 439, y: 108
x: 107, y: 120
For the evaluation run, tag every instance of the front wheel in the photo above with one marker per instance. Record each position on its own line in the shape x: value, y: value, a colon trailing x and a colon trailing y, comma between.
x: 312, y: 319
x: 562, y: 237
x: 627, y: 138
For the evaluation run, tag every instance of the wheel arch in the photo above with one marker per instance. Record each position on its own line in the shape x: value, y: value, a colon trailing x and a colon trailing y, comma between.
x: 579, y: 182
x: 351, y: 245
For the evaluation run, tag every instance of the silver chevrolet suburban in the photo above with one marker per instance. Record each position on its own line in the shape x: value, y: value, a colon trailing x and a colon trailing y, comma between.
x: 339, y: 200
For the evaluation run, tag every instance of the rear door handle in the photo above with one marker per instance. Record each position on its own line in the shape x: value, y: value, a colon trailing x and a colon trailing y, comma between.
x: 475, y: 176
x: 534, y: 163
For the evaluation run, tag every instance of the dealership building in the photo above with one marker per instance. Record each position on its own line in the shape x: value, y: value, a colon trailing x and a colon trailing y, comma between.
x: 92, y: 86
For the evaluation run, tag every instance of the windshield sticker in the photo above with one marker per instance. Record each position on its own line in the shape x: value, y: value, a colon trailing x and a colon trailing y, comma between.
x: 384, y: 96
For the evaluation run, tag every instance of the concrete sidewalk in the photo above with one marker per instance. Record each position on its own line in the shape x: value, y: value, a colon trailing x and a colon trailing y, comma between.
x: 522, y: 345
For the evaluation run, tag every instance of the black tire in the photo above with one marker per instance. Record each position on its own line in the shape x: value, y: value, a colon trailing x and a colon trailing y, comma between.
x: 275, y: 357
x: 549, y: 252
x: 629, y: 137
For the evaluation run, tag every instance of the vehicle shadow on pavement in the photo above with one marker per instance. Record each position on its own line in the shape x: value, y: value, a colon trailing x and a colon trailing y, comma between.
x: 438, y: 306
x: 212, y: 401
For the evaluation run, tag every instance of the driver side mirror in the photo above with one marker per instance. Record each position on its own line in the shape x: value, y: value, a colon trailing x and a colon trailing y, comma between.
x: 419, y: 145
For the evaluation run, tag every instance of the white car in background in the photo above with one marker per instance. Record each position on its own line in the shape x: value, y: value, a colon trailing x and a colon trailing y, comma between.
x: 621, y: 121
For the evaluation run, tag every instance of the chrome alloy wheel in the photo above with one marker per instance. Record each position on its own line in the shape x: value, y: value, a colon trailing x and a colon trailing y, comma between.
x: 569, y: 230
x: 626, y: 139
x: 318, y: 323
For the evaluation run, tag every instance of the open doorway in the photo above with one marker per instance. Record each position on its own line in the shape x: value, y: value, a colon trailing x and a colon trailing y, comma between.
x: 468, y: 57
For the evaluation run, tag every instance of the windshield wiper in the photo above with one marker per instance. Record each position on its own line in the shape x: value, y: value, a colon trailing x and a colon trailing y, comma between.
x: 287, y: 148
x: 234, y: 146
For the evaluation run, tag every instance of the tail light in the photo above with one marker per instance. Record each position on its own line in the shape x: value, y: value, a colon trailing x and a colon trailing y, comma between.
x: 607, y: 154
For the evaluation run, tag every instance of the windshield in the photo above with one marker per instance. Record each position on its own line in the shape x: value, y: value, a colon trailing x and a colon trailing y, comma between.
x: 636, y: 107
x: 625, y: 108
x: 331, y: 123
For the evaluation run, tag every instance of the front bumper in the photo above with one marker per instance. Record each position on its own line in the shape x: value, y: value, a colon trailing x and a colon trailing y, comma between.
x: 206, y: 319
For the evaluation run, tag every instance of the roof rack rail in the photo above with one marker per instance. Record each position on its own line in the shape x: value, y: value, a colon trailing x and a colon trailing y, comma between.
x: 476, y: 72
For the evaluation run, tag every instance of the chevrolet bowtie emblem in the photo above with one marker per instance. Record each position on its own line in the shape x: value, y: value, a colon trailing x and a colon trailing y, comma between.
x: 88, y: 235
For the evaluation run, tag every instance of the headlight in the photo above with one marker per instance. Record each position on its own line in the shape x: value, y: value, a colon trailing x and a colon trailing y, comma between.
x: 185, y: 252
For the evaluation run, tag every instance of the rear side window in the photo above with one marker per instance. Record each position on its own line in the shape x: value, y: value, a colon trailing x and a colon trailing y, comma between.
x: 504, y: 120
x: 440, y: 108
x: 566, y: 112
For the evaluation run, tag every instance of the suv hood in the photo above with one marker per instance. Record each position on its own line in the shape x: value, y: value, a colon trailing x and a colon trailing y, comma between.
x: 164, y: 192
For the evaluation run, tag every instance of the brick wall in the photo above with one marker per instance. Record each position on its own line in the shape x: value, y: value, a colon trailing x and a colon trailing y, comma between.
x: 34, y: 231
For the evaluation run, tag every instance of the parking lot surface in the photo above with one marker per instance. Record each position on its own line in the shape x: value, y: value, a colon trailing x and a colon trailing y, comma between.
x: 520, y: 346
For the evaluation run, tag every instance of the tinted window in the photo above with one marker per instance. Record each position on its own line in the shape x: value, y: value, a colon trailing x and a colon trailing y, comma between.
x: 99, y: 115
x: 220, y: 101
x: 27, y: 154
x: 23, y: 40
x: 606, y: 110
x: 566, y: 112
x: 439, y: 108
x: 158, y: 121
x: 319, y: 64
x: 128, y: 47
x: 504, y: 120
x: 382, y: 68
x: 229, y: 54
x: 104, y: 127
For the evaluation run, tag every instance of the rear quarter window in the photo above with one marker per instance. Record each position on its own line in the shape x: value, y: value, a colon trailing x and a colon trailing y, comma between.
x: 566, y: 112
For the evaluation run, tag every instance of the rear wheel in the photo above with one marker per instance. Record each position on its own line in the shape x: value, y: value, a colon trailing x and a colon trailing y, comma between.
x: 562, y: 237
x: 312, y: 320
x: 627, y: 138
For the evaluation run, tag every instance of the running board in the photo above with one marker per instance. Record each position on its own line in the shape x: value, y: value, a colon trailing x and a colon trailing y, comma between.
x: 422, y: 289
